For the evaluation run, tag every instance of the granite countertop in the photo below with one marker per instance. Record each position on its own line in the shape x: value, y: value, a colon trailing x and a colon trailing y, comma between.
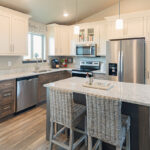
x: 126, y: 92
x: 28, y: 74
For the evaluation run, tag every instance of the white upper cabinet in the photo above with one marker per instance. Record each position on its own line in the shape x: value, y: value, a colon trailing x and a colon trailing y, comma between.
x: 101, y: 49
x: 73, y: 40
x: 112, y: 32
x: 89, y: 33
x: 58, y: 40
x: 5, y: 33
x: 134, y: 27
x: 13, y: 32
x: 19, y: 35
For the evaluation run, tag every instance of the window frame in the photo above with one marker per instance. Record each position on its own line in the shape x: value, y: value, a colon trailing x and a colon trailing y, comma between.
x: 43, y: 53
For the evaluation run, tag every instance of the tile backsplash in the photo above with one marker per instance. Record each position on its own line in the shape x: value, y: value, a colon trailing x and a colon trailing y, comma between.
x: 17, y: 65
x: 76, y: 60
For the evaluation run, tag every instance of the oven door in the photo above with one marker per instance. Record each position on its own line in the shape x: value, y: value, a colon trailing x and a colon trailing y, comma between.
x: 80, y: 74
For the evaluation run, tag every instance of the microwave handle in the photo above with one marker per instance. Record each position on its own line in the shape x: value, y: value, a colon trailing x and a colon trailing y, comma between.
x: 90, y: 50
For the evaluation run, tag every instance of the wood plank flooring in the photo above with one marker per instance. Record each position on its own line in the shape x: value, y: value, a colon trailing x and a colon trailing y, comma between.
x: 26, y: 131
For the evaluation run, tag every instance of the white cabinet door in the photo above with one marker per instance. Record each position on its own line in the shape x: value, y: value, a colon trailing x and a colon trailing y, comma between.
x: 5, y: 34
x: 102, y: 39
x: 112, y: 32
x: 57, y: 39
x: 65, y: 40
x: 73, y: 39
x: 134, y: 27
x: 19, y: 35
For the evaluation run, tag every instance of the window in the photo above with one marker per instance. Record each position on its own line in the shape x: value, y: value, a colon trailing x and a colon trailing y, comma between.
x: 36, y: 47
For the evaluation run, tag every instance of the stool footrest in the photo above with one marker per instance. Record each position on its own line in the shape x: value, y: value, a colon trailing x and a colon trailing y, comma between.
x: 79, y: 141
x: 59, y: 132
x: 60, y: 144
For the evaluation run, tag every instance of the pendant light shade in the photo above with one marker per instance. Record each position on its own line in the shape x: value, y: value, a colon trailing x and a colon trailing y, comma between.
x: 119, y: 22
x: 76, y: 27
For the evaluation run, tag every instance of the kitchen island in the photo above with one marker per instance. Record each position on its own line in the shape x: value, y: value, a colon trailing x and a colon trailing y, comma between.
x: 135, y: 103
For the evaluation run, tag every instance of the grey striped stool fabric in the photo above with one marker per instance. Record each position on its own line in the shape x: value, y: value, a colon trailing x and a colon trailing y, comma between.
x: 105, y: 122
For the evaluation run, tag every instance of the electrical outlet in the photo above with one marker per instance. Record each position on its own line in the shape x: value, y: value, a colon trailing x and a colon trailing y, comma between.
x: 9, y: 63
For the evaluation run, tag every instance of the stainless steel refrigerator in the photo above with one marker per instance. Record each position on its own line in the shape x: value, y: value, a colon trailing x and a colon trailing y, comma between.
x: 125, y: 60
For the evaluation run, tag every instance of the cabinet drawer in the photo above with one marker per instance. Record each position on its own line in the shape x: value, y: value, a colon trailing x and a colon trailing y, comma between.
x: 6, y: 96
x: 7, y: 84
x: 6, y: 110
x: 49, y: 77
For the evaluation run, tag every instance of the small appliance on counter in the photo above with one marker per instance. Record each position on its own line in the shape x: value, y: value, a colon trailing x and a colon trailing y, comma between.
x: 55, y: 63
x: 64, y: 63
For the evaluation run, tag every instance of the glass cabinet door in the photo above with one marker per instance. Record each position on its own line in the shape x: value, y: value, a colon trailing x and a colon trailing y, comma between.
x: 90, y: 34
x: 82, y: 35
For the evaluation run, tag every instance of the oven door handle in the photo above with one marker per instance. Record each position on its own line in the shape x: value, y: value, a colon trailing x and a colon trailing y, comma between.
x: 76, y: 72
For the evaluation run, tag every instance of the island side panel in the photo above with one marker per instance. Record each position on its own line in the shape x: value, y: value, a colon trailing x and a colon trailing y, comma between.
x: 47, y: 114
x: 144, y: 128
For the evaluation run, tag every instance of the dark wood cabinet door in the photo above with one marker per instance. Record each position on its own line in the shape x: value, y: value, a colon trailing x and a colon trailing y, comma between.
x: 7, y: 98
x: 48, y: 78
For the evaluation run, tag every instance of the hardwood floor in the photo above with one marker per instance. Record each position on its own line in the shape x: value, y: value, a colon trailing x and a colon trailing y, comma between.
x: 26, y: 131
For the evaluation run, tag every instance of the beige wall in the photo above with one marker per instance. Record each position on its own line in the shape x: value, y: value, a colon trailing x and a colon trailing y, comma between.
x: 127, y: 6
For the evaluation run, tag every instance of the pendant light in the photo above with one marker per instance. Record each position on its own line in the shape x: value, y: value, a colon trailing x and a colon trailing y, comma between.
x: 119, y: 22
x: 76, y: 27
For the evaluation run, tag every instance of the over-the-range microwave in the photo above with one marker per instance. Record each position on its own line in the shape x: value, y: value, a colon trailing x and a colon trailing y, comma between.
x: 86, y: 50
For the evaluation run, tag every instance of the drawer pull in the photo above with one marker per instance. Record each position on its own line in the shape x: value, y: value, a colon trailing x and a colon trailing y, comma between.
x: 7, y: 94
x: 5, y: 108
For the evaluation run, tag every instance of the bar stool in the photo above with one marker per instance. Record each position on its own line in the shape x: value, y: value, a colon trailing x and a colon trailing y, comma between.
x: 105, y: 122
x: 65, y: 112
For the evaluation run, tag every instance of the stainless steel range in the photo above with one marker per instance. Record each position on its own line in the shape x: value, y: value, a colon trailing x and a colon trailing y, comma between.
x: 86, y: 67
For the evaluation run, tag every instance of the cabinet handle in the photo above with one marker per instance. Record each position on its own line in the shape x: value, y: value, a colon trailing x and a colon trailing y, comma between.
x: 7, y: 94
x: 5, y: 108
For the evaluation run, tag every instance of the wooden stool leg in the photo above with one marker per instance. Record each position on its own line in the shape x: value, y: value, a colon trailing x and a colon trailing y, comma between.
x: 128, y: 140
x: 118, y: 148
x: 85, y: 127
x: 71, y: 140
x: 51, y: 135
x: 89, y: 142
x: 100, y: 146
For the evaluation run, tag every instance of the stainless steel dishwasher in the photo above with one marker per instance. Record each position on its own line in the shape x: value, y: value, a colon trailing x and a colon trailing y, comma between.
x: 27, y: 90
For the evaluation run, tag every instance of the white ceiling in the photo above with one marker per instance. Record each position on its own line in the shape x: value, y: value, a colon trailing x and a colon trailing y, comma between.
x: 51, y: 11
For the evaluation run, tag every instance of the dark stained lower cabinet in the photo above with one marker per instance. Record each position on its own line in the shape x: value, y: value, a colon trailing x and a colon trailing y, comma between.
x: 47, y: 78
x: 7, y: 98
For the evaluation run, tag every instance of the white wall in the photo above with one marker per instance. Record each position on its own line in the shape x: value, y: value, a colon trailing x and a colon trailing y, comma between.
x: 127, y: 6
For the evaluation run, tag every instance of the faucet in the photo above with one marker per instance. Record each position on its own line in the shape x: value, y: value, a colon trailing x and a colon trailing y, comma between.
x: 37, y: 63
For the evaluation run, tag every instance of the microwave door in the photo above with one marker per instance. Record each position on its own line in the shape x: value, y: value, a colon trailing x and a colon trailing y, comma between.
x: 79, y: 50
x: 87, y: 51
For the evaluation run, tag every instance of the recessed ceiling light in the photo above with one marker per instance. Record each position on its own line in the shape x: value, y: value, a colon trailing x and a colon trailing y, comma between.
x: 66, y: 14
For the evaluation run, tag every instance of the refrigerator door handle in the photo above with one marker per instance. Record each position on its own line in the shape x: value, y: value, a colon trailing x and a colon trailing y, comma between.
x: 121, y: 67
